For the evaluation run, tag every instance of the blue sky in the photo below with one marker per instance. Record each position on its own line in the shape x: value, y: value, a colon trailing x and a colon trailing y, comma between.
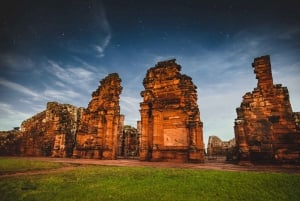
x: 60, y: 50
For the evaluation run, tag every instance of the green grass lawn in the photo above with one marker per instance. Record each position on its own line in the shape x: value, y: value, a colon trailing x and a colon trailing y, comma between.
x: 11, y: 165
x: 146, y: 183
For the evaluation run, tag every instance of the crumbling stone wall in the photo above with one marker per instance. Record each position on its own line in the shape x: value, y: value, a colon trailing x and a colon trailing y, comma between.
x: 51, y: 132
x: 128, y: 145
x: 98, y: 129
x: 217, y: 147
x: 10, y: 142
x: 171, y: 128
x: 266, y: 129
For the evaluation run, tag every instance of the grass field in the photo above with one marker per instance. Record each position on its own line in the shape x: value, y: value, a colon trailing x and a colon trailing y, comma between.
x: 146, y: 183
x: 11, y: 165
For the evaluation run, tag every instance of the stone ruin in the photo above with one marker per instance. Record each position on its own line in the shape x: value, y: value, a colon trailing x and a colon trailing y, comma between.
x: 99, y: 126
x: 51, y: 132
x: 171, y: 129
x: 216, y: 147
x: 266, y: 128
x: 10, y: 142
x: 63, y: 130
x: 129, y: 142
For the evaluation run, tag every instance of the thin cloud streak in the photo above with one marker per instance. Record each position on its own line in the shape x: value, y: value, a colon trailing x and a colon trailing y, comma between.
x: 19, y: 88
x: 78, y: 77
x: 101, y: 48
x: 9, y: 116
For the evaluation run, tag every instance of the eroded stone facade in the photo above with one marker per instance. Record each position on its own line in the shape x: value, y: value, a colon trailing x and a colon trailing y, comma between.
x: 99, y: 126
x: 128, y: 142
x: 266, y: 129
x: 217, y: 147
x: 10, y: 142
x: 51, y: 132
x: 171, y: 129
x: 63, y: 130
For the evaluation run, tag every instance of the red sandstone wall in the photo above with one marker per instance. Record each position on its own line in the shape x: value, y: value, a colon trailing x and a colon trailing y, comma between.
x: 171, y: 128
x: 99, y: 125
x: 266, y: 127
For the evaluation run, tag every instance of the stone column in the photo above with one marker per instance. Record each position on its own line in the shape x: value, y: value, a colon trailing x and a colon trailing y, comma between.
x: 144, y: 146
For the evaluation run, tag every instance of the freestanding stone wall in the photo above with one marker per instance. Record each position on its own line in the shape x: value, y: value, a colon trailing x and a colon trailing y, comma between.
x: 171, y: 129
x: 217, y: 147
x: 51, y: 132
x: 266, y: 129
x: 98, y: 129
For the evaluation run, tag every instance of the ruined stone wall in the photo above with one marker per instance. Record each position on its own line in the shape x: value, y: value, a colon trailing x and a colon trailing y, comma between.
x: 217, y: 147
x: 10, y: 142
x: 51, y: 132
x: 98, y: 130
x: 171, y: 128
x: 297, y: 120
x: 266, y: 127
x: 129, y: 142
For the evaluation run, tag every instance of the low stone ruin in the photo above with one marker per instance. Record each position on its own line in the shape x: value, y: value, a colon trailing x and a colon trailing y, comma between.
x: 10, y: 142
x: 216, y: 147
x: 171, y: 129
x: 266, y: 128
x: 51, y: 132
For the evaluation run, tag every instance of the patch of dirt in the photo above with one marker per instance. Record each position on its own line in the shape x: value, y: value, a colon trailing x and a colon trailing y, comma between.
x: 219, y: 164
x: 66, y: 167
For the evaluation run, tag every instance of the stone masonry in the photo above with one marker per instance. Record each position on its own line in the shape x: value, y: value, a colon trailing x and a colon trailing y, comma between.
x: 217, y: 147
x: 51, y: 132
x: 171, y: 129
x: 98, y: 130
x: 266, y: 128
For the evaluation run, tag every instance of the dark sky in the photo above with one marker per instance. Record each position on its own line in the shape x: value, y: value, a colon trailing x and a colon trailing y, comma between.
x: 60, y: 50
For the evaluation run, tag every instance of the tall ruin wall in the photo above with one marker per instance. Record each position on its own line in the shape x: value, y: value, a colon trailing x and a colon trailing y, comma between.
x: 171, y: 129
x: 266, y: 128
x: 99, y: 125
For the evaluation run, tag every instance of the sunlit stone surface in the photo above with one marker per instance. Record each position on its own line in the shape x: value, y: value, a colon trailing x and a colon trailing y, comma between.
x: 171, y: 129
x: 99, y: 126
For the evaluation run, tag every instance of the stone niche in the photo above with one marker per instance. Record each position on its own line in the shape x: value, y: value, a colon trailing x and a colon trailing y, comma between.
x: 51, y: 132
x: 97, y: 135
x: 171, y: 129
x: 266, y: 128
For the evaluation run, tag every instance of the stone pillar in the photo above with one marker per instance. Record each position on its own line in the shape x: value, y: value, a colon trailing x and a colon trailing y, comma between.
x: 145, y: 147
x: 262, y: 69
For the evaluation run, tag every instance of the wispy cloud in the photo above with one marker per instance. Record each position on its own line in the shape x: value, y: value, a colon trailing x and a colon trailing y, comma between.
x: 130, y: 108
x: 61, y: 95
x: 19, y: 88
x: 72, y: 76
x: 10, y: 117
x: 100, y: 48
